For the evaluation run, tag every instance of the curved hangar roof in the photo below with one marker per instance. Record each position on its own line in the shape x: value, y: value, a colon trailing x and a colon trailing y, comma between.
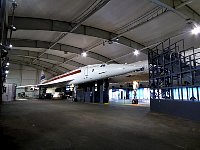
x: 51, y: 35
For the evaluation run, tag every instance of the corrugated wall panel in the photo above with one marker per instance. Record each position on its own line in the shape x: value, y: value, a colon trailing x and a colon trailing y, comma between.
x: 24, y: 75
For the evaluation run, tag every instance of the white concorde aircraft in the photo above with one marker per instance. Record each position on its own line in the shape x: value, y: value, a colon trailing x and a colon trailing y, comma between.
x: 94, y: 72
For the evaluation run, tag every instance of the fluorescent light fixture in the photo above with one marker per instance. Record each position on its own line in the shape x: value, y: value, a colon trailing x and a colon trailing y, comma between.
x: 136, y: 52
x: 196, y: 30
x: 84, y: 54
x: 6, y: 71
x: 7, y: 64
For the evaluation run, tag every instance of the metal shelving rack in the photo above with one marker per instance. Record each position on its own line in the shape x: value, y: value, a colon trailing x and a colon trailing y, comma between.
x: 174, y: 71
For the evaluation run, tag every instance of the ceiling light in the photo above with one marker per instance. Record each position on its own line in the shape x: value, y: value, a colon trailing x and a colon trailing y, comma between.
x: 115, y: 40
x: 6, y: 71
x: 136, y: 52
x: 84, y: 54
x: 13, y: 28
x: 196, y: 30
x: 7, y: 64
x: 10, y: 46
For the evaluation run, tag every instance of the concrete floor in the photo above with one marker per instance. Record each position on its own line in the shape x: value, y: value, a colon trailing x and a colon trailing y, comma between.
x: 63, y: 125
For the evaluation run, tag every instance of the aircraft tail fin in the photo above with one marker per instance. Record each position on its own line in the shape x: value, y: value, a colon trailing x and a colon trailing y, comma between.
x: 42, y: 77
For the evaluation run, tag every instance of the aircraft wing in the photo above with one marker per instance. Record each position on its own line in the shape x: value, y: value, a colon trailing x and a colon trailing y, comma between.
x: 58, y: 84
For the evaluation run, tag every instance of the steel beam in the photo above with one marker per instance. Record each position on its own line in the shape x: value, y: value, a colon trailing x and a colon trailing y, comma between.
x: 39, y: 62
x: 180, y: 8
x: 81, y: 19
x: 26, y: 23
x: 27, y: 53
x: 60, y: 47
x: 14, y: 61
x: 29, y: 58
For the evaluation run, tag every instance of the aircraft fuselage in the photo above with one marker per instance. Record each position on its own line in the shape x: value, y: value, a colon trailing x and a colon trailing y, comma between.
x: 92, y: 73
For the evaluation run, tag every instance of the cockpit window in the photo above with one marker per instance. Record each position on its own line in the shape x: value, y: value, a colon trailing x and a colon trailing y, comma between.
x: 103, y: 65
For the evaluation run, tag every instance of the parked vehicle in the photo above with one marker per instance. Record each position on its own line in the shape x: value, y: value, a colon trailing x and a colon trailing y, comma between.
x: 48, y: 95
x: 58, y: 95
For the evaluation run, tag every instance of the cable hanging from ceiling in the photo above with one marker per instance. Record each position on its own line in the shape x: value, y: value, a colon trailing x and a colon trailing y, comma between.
x: 60, y: 37
x: 156, y: 11
x: 78, y: 24
x: 149, y: 15
x: 78, y: 18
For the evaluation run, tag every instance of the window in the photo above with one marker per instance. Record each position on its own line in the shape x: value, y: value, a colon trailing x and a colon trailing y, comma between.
x: 103, y: 65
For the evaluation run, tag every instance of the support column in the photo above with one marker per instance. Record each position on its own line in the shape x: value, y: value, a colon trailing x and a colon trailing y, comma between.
x: 135, y: 87
x: 37, y: 77
x: 3, y: 37
x: 96, y: 92
x: 127, y: 93
x: 21, y: 72
x: 93, y: 92
x: 105, y: 91
x: 42, y: 90
x: 101, y: 90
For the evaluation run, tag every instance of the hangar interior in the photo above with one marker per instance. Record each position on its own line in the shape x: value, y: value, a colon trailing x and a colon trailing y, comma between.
x: 160, y: 37
x: 48, y: 40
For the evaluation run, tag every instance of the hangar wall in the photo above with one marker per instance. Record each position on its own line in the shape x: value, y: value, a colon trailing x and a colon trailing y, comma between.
x: 24, y: 75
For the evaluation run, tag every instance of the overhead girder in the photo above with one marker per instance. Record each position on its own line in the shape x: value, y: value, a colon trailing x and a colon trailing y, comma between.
x: 31, y: 57
x: 45, y: 56
x: 60, y: 47
x: 27, y: 23
x: 180, y: 8
x: 34, y: 66
x: 47, y: 65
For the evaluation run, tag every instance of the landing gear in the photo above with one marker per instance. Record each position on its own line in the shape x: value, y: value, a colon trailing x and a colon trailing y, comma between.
x: 135, y: 101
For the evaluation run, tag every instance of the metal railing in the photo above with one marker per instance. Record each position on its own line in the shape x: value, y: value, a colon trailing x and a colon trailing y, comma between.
x: 172, y: 67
